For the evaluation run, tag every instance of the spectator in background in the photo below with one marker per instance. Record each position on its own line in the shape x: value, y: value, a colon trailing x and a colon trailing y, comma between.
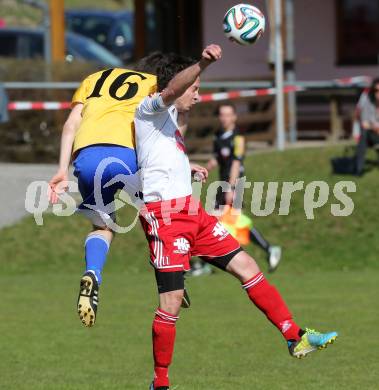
x: 356, y: 129
x: 229, y: 153
x: 368, y: 107
x: 3, y: 105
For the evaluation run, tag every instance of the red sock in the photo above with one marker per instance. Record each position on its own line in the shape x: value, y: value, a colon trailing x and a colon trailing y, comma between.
x: 268, y: 300
x: 163, y: 345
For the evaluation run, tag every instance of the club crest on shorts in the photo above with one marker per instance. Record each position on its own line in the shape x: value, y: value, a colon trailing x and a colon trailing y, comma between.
x: 182, y: 245
x: 219, y: 231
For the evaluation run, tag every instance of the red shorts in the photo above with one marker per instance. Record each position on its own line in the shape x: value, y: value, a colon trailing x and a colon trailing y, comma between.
x: 179, y: 229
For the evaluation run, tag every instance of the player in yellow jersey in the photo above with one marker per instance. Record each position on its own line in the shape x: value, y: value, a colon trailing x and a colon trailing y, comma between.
x: 99, y: 133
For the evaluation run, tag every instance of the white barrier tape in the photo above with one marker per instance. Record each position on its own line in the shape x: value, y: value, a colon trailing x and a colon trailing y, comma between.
x: 353, y: 80
x: 218, y: 96
x: 38, y: 106
x: 212, y: 97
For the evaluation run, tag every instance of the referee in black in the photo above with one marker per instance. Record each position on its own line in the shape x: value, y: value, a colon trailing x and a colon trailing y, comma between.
x: 228, y: 155
x: 228, y: 151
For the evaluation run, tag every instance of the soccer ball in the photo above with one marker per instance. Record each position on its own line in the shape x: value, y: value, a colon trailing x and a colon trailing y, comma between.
x: 244, y: 24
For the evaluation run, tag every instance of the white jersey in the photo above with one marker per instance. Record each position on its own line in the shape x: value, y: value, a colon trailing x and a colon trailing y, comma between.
x: 165, y: 171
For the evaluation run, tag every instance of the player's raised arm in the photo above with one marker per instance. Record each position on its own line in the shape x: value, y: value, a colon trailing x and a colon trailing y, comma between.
x: 183, y: 80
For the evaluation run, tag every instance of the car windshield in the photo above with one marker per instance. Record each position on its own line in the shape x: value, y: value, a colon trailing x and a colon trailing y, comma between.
x: 125, y: 31
x: 86, y: 49
x: 95, y: 27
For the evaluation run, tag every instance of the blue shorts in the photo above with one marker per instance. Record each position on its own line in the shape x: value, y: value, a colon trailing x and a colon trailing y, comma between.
x: 102, y: 170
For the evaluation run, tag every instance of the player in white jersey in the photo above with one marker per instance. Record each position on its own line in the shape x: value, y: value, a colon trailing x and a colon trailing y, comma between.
x: 168, y: 177
x: 177, y: 227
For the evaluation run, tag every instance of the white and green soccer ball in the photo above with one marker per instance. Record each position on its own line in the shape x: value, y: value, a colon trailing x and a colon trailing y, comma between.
x: 244, y: 24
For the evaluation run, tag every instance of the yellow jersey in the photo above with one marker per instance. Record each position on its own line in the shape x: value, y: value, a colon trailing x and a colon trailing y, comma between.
x: 110, y: 98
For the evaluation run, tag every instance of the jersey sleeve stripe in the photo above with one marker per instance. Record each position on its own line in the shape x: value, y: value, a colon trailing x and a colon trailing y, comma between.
x: 157, y: 103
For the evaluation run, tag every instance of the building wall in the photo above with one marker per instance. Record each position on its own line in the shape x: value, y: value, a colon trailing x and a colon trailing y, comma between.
x: 238, y: 61
x: 315, y: 44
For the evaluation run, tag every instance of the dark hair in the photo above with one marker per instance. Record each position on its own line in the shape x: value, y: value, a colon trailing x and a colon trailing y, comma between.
x: 164, y: 66
x: 371, y: 92
x: 148, y: 64
x: 226, y: 104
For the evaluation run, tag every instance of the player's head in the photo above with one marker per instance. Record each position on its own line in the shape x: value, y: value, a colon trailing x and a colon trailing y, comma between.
x: 164, y: 66
x: 189, y: 97
x: 374, y: 90
x: 227, y: 116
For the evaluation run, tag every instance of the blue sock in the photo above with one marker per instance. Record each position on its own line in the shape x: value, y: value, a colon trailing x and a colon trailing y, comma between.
x: 96, y: 248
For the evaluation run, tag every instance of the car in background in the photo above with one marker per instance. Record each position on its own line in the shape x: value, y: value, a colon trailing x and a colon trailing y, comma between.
x: 112, y: 29
x: 29, y: 43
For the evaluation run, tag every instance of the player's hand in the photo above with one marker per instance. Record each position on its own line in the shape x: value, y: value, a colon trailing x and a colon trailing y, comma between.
x: 211, y: 53
x: 199, y: 172
x: 57, y: 185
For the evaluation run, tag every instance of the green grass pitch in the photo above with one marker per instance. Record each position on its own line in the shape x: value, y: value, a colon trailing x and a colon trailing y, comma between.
x: 329, y: 277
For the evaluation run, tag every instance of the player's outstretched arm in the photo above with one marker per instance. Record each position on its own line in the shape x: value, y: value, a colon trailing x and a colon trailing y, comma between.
x: 58, y: 181
x: 183, y: 80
